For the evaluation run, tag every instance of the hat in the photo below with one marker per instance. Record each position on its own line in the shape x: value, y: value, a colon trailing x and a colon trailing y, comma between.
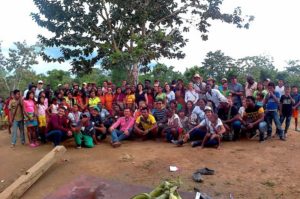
x: 197, y: 75
x: 84, y: 83
x: 207, y: 108
x: 96, y: 108
x: 224, y: 100
x: 210, y: 78
x: 40, y: 82
x: 224, y: 79
x: 85, y: 115
x: 59, y: 85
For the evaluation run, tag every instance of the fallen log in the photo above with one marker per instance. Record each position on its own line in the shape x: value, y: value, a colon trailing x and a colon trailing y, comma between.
x: 24, y: 182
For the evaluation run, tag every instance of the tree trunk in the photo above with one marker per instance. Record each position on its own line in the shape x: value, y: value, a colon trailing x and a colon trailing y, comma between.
x: 135, y: 73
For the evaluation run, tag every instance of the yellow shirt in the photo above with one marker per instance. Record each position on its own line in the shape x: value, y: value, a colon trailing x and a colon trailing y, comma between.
x: 94, y: 101
x: 130, y: 99
x: 148, y: 123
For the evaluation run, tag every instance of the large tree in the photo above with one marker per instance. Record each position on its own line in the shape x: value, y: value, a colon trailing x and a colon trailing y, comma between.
x: 125, y: 33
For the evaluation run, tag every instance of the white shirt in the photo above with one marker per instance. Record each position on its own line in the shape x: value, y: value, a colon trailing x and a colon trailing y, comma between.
x: 215, y: 96
x: 191, y: 95
x: 170, y: 96
x: 280, y: 90
x: 171, y: 120
x: 209, y: 126
x: 197, y: 110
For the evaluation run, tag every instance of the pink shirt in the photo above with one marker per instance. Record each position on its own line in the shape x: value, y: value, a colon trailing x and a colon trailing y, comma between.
x: 42, y: 109
x: 123, y: 123
x: 29, y: 106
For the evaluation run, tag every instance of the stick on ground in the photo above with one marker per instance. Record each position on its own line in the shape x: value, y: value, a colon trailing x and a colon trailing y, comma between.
x: 20, y: 186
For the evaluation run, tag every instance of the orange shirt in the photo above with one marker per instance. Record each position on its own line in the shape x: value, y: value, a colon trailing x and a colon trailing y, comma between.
x: 130, y: 99
x: 108, y: 98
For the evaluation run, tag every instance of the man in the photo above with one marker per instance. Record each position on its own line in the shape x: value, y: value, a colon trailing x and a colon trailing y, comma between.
x: 199, y: 85
x: 272, y: 101
x: 280, y: 88
x: 57, y: 128
x: 125, y: 125
x: 236, y: 90
x: 214, y: 96
x: 147, y: 84
x: 230, y: 118
x: 160, y: 115
x: 191, y: 94
x: 39, y: 89
x: 16, y: 118
x: 253, y: 118
x: 250, y: 86
x: 145, y: 125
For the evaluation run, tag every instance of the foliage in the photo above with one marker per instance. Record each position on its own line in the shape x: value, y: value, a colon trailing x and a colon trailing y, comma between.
x: 97, y: 76
x: 55, y: 77
x: 131, y: 33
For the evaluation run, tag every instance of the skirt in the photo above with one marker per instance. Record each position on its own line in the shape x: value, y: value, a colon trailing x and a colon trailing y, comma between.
x: 30, y: 122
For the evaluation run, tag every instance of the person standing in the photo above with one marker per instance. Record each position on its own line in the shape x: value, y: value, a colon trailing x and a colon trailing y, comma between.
x: 236, y: 90
x: 16, y: 118
x: 191, y: 94
x: 38, y: 89
x: 250, y: 86
x: 286, y: 108
x: 280, y: 87
x: 199, y: 85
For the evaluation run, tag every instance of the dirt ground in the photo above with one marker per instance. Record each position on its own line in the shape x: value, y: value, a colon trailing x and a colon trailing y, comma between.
x: 245, y: 169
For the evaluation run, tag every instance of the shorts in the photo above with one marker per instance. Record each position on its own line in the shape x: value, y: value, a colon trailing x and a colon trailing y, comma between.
x: 295, y: 113
x: 42, y: 121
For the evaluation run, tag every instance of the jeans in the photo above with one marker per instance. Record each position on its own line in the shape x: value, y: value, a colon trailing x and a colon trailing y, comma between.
x: 236, y: 126
x: 273, y: 115
x: 287, y: 121
x: 16, y: 125
x: 118, y: 136
x: 56, y: 136
x: 197, y: 134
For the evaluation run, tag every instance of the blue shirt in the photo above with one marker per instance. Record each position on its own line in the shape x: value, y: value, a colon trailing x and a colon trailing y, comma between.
x: 296, y: 97
x: 271, y: 104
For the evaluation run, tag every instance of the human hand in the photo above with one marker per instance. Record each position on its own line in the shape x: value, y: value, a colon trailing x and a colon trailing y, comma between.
x: 69, y: 133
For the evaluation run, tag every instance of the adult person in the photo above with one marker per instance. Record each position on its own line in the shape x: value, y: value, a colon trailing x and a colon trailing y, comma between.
x: 191, y: 94
x: 236, y: 90
x: 108, y: 99
x: 38, y: 89
x: 280, y: 87
x: 100, y: 129
x: 212, y: 82
x: 199, y: 85
x: 253, y: 118
x: 145, y: 125
x: 160, y: 95
x: 93, y: 99
x: 214, y: 96
x: 119, y: 97
x: 272, y: 101
x: 250, y: 86
x: 223, y: 88
x: 170, y: 93
x: 57, y: 128
x: 230, y: 118
x: 140, y: 95
x: 286, y: 108
x: 160, y: 115
x: 260, y: 90
x: 16, y: 118
x: 122, y: 128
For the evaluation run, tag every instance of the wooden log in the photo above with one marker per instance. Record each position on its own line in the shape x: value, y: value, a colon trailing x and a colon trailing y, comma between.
x: 23, y: 183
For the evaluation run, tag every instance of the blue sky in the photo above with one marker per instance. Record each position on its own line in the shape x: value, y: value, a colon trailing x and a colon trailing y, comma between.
x: 274, y: 32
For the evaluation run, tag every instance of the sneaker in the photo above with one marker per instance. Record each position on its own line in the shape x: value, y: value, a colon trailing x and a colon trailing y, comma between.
x: 282, y: 139
x: 116, y: 144
x: 206, y: 171
x: 32, y: 145
x: 12, y: 146
x: 78, y: 147
x: 253, y: 135
x: 177, y: 142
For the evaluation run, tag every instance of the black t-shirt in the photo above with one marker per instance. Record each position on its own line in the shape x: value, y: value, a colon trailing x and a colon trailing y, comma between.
x: 223, y: 114
x: 96, y: 120
x: 139, y: 97
x: 253, y: 114
x: 287, y: 105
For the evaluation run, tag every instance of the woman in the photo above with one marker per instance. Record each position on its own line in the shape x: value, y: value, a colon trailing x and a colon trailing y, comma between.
x: 119, y: 98
x: 161, y: 96
x: 170, y: 94
x: 30, y: 113
x: 93, y: 99
x: 100, y: 94
x: 191, y: 94
x: 80, y: 99
x: 140, y: 95
x: 260, y: 89
x: 193, y: 119
x: 108, y: 99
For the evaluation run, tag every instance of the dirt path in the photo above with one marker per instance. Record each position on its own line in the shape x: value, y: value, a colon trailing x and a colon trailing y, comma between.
x: 246, y: 169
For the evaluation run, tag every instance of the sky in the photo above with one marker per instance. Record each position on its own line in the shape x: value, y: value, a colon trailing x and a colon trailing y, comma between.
x: 275, y: 32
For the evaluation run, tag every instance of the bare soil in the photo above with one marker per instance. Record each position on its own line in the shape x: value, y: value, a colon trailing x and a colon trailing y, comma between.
x: 245, y: 169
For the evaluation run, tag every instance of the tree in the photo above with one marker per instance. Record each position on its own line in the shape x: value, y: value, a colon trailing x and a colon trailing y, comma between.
x: 55, y: 77
x: 19, y: 61
x: 97, y: 76
x: 129, y: 34
x: 293, y: 72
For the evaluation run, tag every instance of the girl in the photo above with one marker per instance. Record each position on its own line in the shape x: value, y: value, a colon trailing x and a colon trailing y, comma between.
x: 119, y: 98
x: 93, y: 99
x: 108, y: 98
x: 161, y: 96
x: 30, y: 113
x: 41, y: 113
x: 53, y: 108
x: 150, y: 99
x: 129, y: 99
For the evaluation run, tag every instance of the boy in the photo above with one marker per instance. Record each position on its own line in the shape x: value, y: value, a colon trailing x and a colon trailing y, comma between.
x: 296, y: 96
x: 286, y: 108
x: 272, y: 104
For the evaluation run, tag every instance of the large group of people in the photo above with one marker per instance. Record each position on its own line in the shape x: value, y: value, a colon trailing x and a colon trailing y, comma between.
x: 200, y: 112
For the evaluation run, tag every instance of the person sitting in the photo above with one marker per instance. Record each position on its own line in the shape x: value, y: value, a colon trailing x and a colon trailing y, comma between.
x: 84, y: 133
x: 160, y: 115
x: 57, y: 128
x: 230, y: 118
x: 99, y: 127
x: 253, y: 118
x: 173, y: 129
x: 183, y: 121
x: 125, y: 125
x: 129, y: 99
x: 145, y: 125
x: 215, y: 129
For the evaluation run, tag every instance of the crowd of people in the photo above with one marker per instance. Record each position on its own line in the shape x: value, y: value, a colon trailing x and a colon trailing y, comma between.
x: 200, y: 112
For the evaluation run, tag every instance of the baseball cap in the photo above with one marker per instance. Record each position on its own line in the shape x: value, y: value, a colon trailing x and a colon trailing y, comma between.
x: 40, y: 82
x: 96, y: 108
x: 224, y: 79
x: 85, y: 115
x: 207, y: 108
x: 197, y: 75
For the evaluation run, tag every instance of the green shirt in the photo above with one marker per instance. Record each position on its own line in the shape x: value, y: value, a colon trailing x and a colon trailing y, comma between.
x: 13, y: 104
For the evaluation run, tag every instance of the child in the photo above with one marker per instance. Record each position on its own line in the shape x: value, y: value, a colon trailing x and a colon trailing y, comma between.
x: 129, y: 100
x: 286, y: 108
x: 41, y: 113
x: 183, y: 120
x: 215, y: 129
x: 260, y: 99
x: 296, y: 96
x: 53, y: 108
